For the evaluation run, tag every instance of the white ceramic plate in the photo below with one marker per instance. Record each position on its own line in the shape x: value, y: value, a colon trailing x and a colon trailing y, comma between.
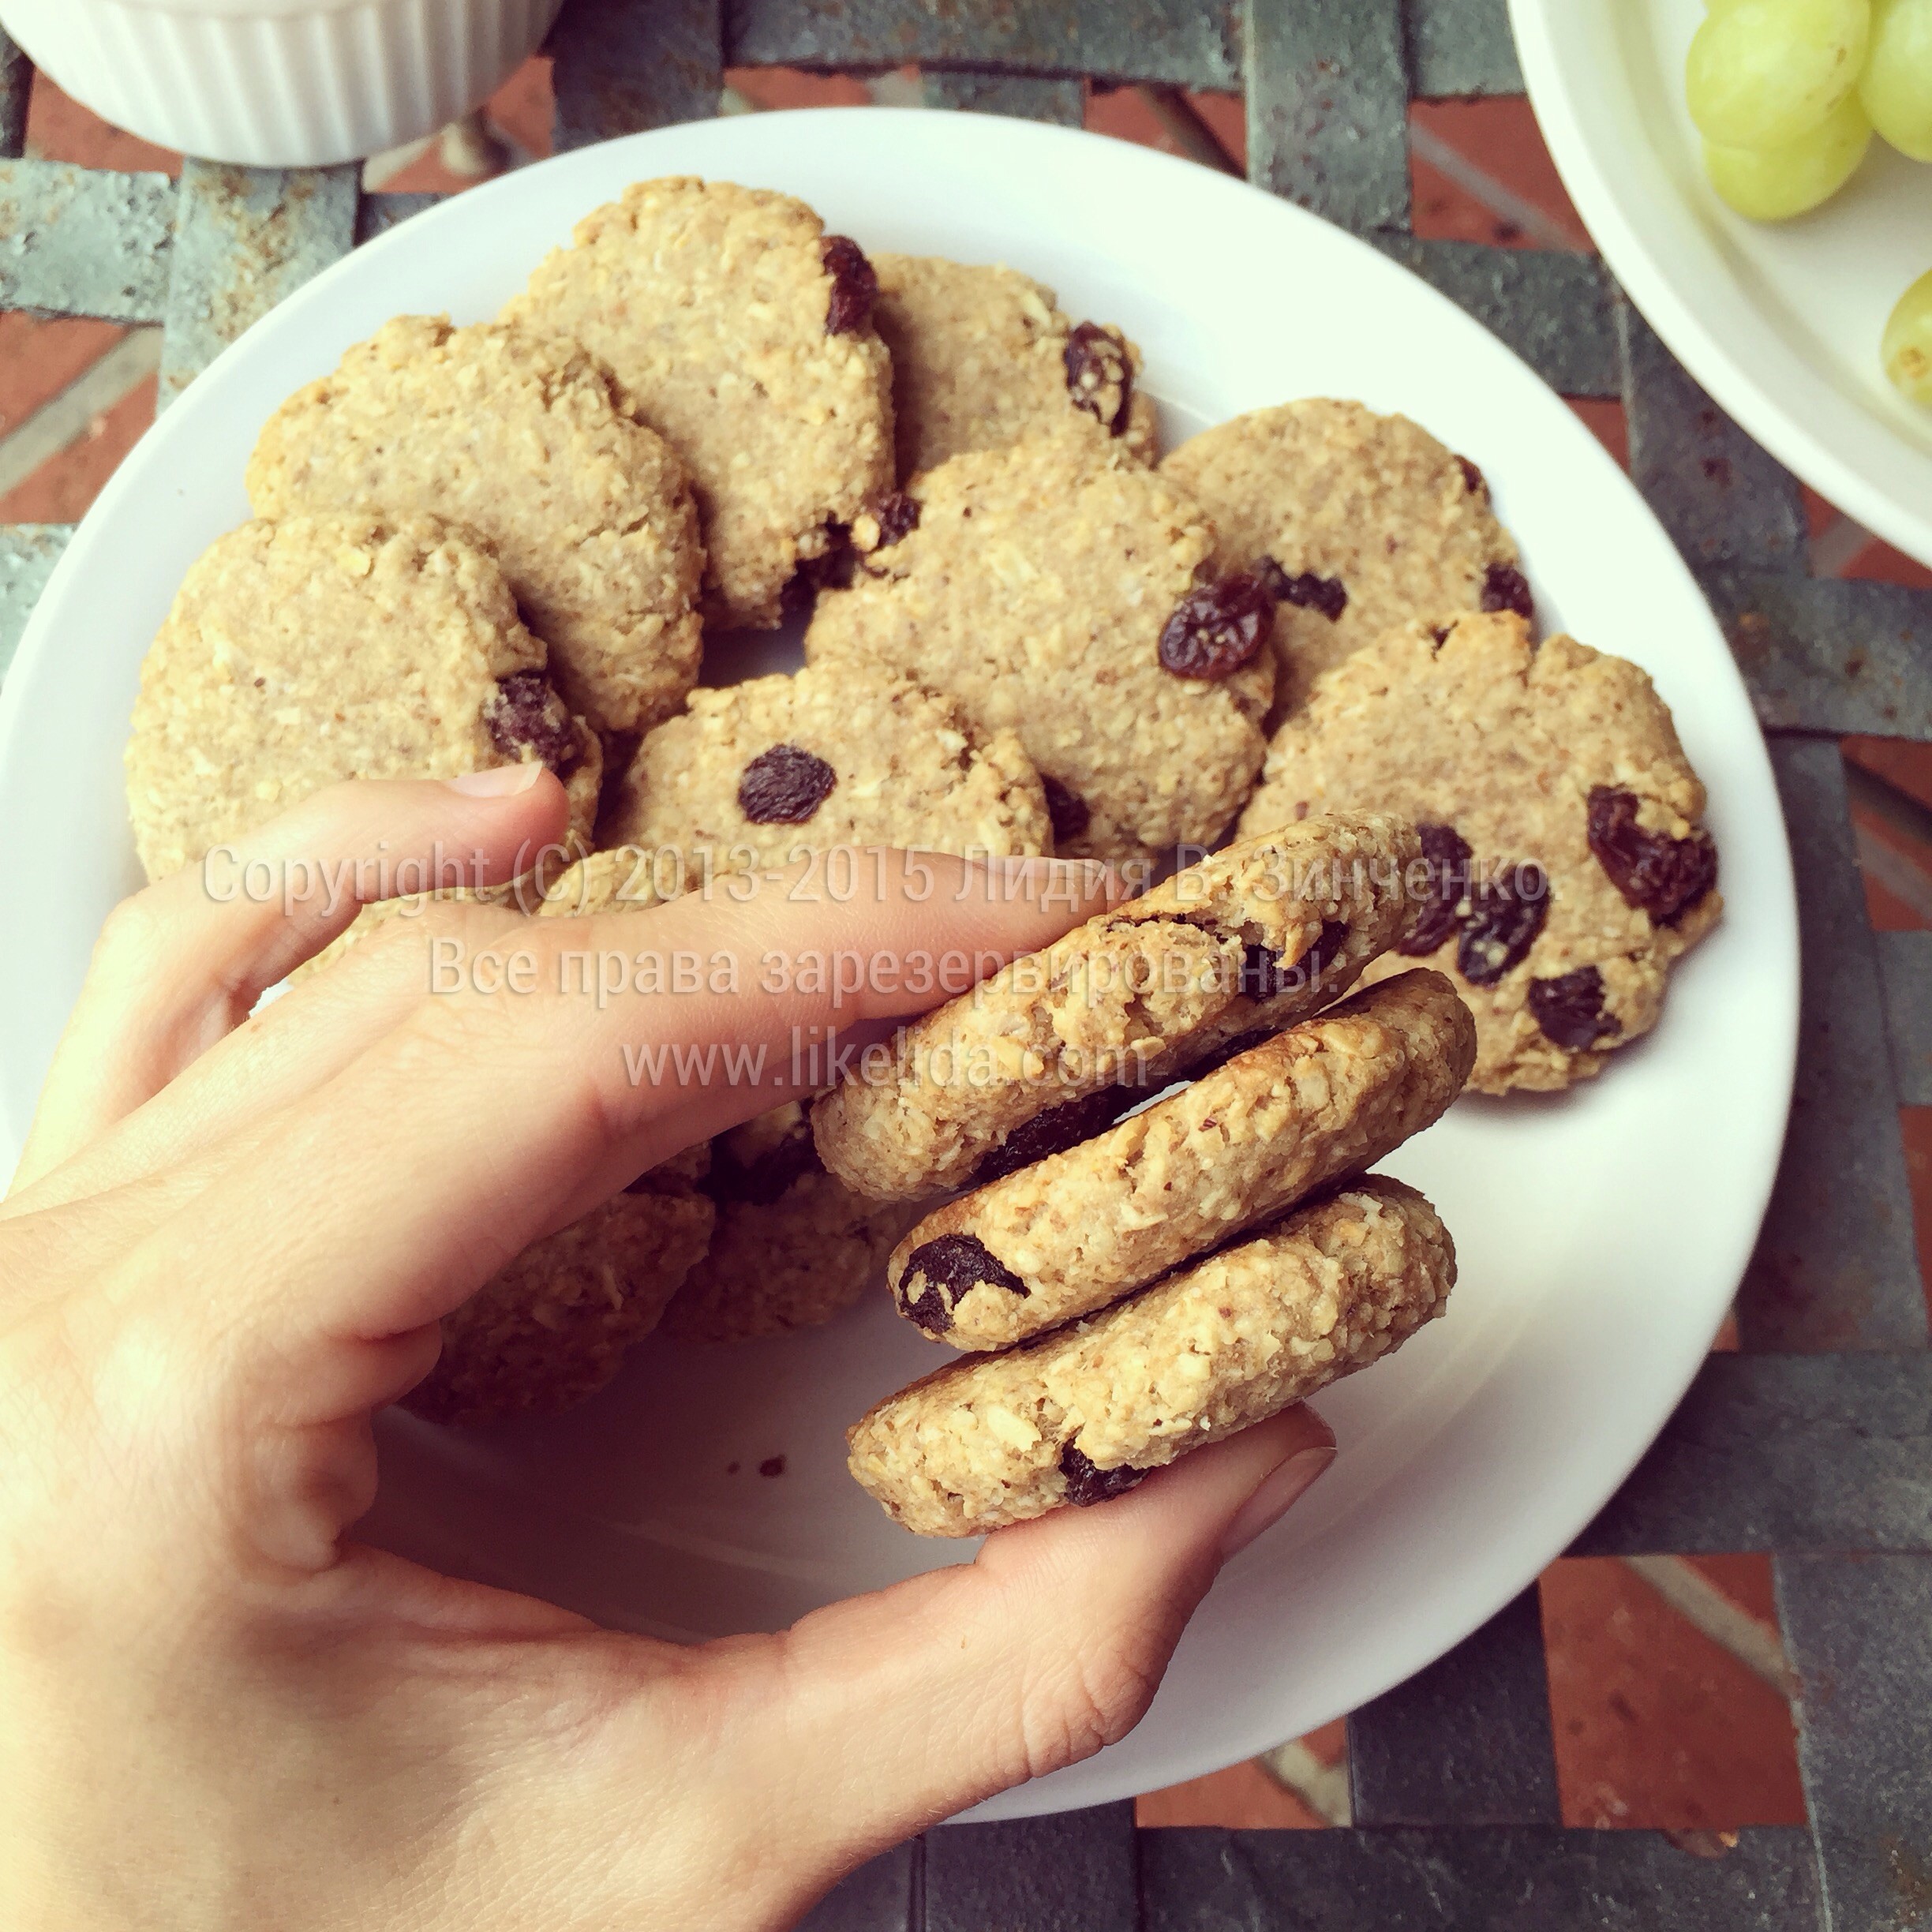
x: 1602, y: 1236
x: 1779, y: 322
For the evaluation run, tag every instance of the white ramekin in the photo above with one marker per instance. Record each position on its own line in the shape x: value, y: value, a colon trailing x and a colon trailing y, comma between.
x: 278, y: 83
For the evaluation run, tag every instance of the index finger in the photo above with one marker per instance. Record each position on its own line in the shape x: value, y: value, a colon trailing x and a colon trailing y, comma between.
x: 534, y: 1085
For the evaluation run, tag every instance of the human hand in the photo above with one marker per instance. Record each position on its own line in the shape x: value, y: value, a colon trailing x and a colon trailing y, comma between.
x: 230, y: 1239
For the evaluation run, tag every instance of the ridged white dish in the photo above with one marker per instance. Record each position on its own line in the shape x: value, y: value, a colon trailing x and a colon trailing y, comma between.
x: 1602, y: 1233
x: 1780, y: 321
x: 278, y: 83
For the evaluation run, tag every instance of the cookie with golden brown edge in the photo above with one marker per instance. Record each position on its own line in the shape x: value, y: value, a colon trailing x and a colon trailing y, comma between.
x: 984, y: 356
x: 1240, y: 1146
x: 522, y: 440
x: 548, y: 1330
x: 1056, y: 1046
x: 1568, y: 866
x: 314, y: 649
x: 755, y: 775
x: 1356, y: 521
x: 792, y: 1247
x: 741, y: 332
x: 1082, y: 1414
x: 1062, y: 591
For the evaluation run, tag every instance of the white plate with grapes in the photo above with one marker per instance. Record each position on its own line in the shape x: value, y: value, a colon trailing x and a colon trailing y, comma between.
x: 1789, y: 263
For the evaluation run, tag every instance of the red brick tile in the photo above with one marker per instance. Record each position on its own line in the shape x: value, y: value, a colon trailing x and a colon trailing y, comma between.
x: 1888, y: 912
x: 1906, y: 765
x: 521, y: 108
x: 1819, y: 515
x: 1329, y: 1745
x: 1243, y: 1796
x: 791, y: 87
x: 1126, y: 113
x: 1606, y: 422
x: 1882, y: 565
x: 1501, y: 138
x: 524, y: 106
x: 63, y: 486
x: 1443, y: 212
x: 59, y: 129
x: 39, y: 357
x: 1655, y: 1725
x: 1745, y: 1578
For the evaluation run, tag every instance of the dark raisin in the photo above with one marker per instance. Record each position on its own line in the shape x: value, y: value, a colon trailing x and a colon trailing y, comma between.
x: 1217, y: 629
x: 831, y: 570
x: 1505, y: 588
x: 1326, y: 950
x: 1054, y: 1131
x: 1569, y: 1008
x: 773, y: 1465
x: 1503, y: 917
x: 1263, y: 975
x: 855, y: 286
x: 898, y: 515
x: 761, y: 1180
x: 526, y: 715
x: 1329, y: 595
x: 785, y: 786
x: 1087, y: 1483
x: 1446, y: 857
x: 1472, y: 478
x: 1099, y: 375
x: 1662, y: 876
x: 1066, y: 808
x: 952, y: 1265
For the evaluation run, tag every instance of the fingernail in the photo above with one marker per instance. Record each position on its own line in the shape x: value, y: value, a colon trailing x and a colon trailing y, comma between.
x: 499, y: 781
x: 1281, y: 1489
x: 1087, y: 877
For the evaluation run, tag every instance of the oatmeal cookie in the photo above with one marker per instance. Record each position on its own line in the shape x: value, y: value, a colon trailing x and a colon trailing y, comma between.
x: 552, y: 1328
x: 1052, y: 1049
x: 755, y: 775
x: 1239, y: 1147
x: 792, y: 1247
x: 1062, y: 591
x: 1356, y: 523
x: 520, y: 439
x: 319, y: 648
x: 982, y: 358
x: 1084, y: 1414
x: 1568, y: 867
x: 742, y: 333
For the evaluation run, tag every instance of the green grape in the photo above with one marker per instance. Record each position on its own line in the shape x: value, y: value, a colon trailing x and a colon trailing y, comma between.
x: 1897, y: 88
x: 1760, y: 73
x: 1906, y: 347
x: 1773, y: 184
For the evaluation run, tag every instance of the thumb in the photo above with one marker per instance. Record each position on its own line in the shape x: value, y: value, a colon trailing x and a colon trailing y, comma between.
x: 905, y: 1706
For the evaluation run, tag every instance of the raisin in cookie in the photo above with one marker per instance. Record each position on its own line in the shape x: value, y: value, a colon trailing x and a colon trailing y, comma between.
x: 982, y: 358
x: 792, y: 1247
x: 1061, y: 591
x: 520, y: 439
x: 1240, y: 1146
x: 757, y: 774
x: 1558, y: 817
x: 1356, y: 523
x: 1055, y: 1047
x: 742, y: 333
x: 553, y: 1327
x: 1084, y: 1414
x: 318, y: 647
